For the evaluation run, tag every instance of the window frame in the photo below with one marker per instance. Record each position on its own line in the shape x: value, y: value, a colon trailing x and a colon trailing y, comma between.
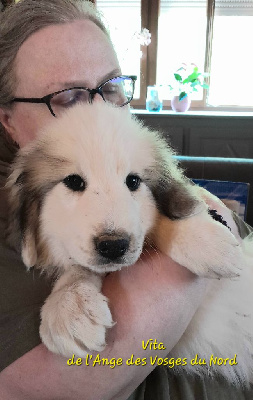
x: 149, y: 19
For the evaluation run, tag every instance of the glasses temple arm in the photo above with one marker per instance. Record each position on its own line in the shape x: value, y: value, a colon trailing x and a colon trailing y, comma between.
x: 30, y: 100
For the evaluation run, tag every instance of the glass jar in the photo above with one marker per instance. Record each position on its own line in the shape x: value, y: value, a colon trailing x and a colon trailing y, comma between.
x: 153, y: 100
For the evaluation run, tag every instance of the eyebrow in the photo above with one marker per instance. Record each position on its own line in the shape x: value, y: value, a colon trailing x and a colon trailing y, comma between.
x: 110, y: 75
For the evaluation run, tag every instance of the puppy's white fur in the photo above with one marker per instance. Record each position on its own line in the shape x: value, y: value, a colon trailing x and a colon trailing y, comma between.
x: 58, y: 229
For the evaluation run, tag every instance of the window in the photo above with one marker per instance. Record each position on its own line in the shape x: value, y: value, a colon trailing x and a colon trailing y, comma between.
x: 231, y: 82
x: 124, y: 21
x: 181, y: 38
x: 215, y: 35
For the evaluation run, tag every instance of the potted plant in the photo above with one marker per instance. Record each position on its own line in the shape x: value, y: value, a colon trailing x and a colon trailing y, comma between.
x: 188, y: 80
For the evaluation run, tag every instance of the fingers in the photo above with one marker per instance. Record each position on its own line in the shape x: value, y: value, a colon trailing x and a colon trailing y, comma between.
x: 214, y: 203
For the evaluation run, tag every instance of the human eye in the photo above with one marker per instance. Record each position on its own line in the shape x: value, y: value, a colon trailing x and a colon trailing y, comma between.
x: 69, y: 98
x: 114, y: 91
x: 112, y: 87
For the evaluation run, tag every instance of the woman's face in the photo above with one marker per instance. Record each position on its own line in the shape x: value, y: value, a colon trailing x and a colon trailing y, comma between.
x: 54, y: 58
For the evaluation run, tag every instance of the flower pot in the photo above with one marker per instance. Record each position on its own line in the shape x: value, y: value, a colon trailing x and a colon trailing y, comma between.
x: 180, y: 105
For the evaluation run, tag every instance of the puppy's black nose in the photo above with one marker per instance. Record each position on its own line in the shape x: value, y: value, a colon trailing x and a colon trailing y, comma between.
x: 112, y: 248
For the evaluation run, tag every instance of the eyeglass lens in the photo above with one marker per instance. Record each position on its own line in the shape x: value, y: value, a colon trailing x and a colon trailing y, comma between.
x: 117, y: 91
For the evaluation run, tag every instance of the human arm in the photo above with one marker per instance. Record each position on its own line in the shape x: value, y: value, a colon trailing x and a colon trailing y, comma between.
x: 154, y: 299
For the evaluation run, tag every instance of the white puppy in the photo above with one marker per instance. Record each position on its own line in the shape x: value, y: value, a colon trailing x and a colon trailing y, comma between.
x: 85, y: 197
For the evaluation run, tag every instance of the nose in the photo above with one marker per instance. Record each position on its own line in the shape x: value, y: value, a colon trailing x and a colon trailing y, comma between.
x: 112, y: 247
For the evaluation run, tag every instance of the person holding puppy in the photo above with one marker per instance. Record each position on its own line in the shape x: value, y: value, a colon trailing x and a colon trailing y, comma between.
x: 46, y: 48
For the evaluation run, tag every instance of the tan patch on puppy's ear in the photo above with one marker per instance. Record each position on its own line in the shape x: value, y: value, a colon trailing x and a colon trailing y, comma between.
x: 173, y: 192
x: 21, y: 232
x: 29, y: 226
x: 175, y: 199
x: 28, y: 250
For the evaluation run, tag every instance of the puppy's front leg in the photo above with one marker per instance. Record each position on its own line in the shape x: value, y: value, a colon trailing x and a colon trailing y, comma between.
x: 201, y: 244
x: 75, y: 316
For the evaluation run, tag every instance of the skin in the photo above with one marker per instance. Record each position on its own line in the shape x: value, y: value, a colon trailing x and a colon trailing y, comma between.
x: 58, y: 60
x: 156, y: 298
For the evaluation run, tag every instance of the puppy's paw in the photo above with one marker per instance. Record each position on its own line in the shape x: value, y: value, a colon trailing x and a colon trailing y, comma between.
x: 201, y: 244
x: 74, y: 320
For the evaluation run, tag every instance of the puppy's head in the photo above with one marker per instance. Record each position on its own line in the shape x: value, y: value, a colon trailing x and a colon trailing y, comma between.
x: 88, y: 191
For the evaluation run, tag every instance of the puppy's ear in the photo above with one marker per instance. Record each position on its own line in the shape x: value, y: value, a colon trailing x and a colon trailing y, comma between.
x: 28, y: 251
x: 28, y: 243
x: 23, y: 214
x: 176, y: 198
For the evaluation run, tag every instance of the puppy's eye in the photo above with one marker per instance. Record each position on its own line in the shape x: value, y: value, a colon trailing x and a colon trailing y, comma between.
x: 74, y: 182
x: 133, y: 182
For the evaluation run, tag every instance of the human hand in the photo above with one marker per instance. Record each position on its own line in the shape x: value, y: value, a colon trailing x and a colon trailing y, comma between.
x: 214, y: 203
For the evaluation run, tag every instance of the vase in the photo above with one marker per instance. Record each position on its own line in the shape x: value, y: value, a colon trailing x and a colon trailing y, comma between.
x: 180, y: 105
x: 153, y: 100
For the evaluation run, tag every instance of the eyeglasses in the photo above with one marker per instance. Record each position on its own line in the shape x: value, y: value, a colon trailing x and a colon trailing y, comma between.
x: 118, y: 91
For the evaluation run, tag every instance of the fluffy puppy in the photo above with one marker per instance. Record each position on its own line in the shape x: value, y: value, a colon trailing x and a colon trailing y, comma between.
x: 85, y: 197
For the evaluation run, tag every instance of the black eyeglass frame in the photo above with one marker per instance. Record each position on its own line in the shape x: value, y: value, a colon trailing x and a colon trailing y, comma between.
x: 47, y: 99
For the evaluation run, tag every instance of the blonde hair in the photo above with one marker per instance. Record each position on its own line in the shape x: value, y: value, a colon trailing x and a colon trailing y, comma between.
x: 21, y: 20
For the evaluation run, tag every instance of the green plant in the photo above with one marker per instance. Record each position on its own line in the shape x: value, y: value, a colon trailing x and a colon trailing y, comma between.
x: 188, y: 80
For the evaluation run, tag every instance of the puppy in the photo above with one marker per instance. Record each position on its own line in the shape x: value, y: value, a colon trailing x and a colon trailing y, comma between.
x: 86, y: 196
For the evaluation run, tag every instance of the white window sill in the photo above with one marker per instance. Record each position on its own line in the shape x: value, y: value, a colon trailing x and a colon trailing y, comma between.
x: 197, y: 113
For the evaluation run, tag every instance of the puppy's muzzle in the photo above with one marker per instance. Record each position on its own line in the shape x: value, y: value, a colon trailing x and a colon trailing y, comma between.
x: 112, y: 247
